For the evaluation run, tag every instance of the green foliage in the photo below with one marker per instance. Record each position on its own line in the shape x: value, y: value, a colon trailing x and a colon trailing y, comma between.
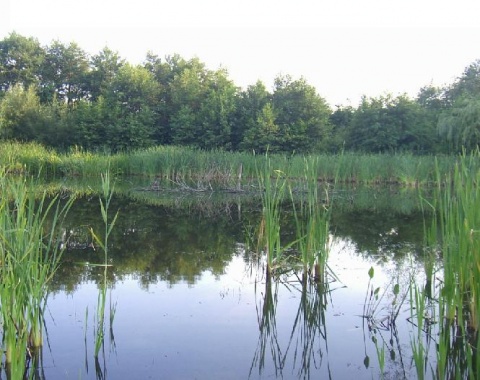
x: 302, y: 116
x: 387, y: 124
x: 29, y: 253
x: 460, y: 125
x: 64, y: 73
x: 21, y: 59
x: 19, y: 114
x: 104, y: 103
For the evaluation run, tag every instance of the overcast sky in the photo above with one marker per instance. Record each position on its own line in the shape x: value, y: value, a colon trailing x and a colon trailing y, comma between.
x: 345, y: 48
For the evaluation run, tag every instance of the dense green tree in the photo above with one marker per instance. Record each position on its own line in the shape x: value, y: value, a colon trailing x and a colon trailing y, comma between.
x: 20, y: 61
x: 217, y: 112
x: 202, y: 106
x: 302, y: 116
x: 460, y: 124
x: 65, y: 73
x: 387, y: 124
x: 128, y: 112
x: 340, y: 120
x: 19, y: 112
x: 57, y: 127
x: 467, y: 85
x: 264, y: 136
x: 164, y: 72
x: 104, y: 68
x: 59, y: 96
x: 250, y: 105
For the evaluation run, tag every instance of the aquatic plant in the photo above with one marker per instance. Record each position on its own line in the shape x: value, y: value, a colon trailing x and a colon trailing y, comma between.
x: 29, y: 256
x: 175, y: 163
x: 273, y: 192
x: 107, y: 193
x: 459, y: 304
x: 312, y: 219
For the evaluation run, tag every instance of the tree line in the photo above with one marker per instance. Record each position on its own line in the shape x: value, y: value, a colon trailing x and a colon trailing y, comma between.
x: 60, y: 96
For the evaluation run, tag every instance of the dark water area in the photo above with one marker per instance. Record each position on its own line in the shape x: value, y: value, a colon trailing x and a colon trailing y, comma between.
x: 189, y: 299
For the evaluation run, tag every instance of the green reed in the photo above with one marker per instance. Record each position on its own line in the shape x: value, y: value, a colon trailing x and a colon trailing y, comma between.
x: 107, y: 194
x: 272, y: 194
x: 312, y: 219
x: 175, y: 162
x: 456, y: 204
x: 29, y: 256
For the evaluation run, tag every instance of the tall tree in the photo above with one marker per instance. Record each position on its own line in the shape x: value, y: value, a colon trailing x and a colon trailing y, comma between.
x: 341, y: 121
x: 250, y: 105
x: 19, y: 113
x: 65, y: 73
x: 467, y: 85
x: 302, y: 116
x: 217, y: 112
x: 264, y: 135
x: 460, y: 124
x: 20, y: 61
x: 129, y: 105
x: 104, y: 68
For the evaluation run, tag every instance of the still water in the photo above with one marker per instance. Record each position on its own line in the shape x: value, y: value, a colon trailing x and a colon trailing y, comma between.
x: 189, y: 300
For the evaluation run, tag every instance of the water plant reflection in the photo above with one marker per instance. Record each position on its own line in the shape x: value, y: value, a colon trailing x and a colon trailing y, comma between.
x: 307, y: 345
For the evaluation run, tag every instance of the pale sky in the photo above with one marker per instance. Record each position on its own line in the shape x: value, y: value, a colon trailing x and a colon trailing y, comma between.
x: 344, y: 48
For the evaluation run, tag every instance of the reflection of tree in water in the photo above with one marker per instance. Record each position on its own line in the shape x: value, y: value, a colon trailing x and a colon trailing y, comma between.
x: 149, y: 243
x: 307, y: 343
x: 166, y: 243
x: 389, y: 234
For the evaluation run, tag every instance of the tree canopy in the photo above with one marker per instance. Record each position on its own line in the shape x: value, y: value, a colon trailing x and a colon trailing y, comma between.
x: 61, y: 96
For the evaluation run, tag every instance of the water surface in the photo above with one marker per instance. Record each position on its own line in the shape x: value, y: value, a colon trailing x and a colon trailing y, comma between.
x: 191, y: 302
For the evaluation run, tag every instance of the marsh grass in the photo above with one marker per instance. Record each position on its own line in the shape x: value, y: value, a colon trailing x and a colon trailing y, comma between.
x: 452, y: 227
x: 29, y: 257
x: 458, y: 203
x: 312, y: 222
x: 272, y: 194
x: 187, y: 164
x: 108, y: 222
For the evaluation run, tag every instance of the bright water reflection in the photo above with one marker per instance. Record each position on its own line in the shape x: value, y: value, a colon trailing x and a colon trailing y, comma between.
x: 191, y: 303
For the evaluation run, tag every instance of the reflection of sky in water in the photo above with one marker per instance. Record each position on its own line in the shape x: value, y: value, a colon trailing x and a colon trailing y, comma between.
x: 210, y: 330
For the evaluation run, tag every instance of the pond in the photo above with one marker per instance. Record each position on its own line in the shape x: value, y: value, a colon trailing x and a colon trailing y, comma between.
x: 187, y: 298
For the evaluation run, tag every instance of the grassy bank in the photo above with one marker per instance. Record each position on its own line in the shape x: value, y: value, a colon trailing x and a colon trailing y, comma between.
x: 186, y: 165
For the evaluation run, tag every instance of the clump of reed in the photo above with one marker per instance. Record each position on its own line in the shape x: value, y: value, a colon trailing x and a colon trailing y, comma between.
x: 272, y: 194
x: 312, y: 220
x: 310, y: 244
x: 458, y: 203
x: 452, y: 235
x: 29, y: 256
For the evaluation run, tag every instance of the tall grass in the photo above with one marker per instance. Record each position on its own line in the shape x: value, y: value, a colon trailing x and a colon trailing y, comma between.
x: 454, y: 232
x: 459, y: 202
x: 312, y: 220
x: 181, y: 163
x: 272, y: 193
x: 108, y: 222
x: 29, y: 256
